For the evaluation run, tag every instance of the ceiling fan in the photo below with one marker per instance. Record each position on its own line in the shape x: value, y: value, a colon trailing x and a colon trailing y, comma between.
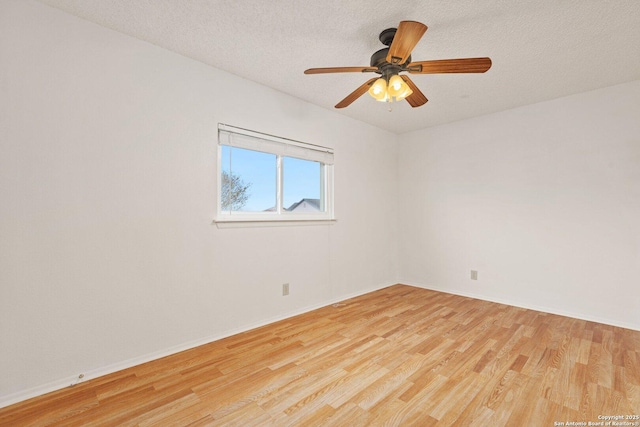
x: 395, y: 59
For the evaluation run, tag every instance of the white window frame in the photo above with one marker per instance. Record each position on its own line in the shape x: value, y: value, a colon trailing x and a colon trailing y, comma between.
x: 281, y: 147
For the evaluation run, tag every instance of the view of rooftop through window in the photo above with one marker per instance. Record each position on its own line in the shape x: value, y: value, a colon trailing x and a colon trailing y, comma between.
x: 249, y: 181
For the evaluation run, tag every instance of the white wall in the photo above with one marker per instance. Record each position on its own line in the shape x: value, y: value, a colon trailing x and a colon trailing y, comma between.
x: 543, y: 200
x: 107, y: 192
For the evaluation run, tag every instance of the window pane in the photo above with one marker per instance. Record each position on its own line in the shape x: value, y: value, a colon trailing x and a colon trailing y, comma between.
x: 302, y: 185
x: 248, y: 180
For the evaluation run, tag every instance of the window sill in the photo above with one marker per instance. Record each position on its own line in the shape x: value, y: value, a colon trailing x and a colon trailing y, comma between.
x: 285, y: 222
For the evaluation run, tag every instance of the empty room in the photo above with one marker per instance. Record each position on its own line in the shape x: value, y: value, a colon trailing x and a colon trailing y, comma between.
x: 289, y: 213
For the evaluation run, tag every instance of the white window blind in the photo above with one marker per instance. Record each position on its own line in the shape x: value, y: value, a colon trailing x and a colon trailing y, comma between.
x: 251, y: 140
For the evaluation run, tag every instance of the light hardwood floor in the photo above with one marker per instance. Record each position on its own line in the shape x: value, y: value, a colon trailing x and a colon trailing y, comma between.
x: 398, y: 356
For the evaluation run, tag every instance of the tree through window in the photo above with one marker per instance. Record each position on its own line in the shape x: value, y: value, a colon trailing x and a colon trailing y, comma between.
x: 262, y: 177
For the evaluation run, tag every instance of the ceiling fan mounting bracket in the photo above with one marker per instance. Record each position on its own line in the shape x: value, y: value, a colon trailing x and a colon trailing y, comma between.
x: 386, y: 36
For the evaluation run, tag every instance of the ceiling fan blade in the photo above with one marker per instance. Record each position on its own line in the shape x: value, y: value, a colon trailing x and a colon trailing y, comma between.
x: 340, y: 70
x: 462, y: 65
x: 406, y: 38
x: 417, y: 98
x: 356, y: 94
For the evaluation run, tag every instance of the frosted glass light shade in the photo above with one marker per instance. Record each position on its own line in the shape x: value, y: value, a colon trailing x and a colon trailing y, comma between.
x: 398, y: 89
x: 378, y: 90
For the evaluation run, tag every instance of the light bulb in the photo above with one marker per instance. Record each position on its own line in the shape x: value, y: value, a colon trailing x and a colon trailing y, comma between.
x: 378, y: 90
x: 398, y: 88
x: 406, y: 92
x: 395, y: 85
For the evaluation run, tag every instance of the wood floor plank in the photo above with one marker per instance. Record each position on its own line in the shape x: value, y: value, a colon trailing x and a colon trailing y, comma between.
x: 400, y: 356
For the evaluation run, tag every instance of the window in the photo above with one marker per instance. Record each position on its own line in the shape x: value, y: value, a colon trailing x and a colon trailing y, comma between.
x: 266, y: 178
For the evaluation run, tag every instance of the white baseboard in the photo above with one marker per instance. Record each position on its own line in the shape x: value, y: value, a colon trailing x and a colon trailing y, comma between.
x: 68, y: 381
x: 581, y: 316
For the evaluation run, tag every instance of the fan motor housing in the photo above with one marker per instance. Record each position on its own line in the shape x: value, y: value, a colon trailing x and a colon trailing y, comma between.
x: 379, y: 59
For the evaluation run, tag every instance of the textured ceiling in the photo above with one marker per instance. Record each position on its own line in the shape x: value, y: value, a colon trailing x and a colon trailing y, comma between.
x: 541, y: 49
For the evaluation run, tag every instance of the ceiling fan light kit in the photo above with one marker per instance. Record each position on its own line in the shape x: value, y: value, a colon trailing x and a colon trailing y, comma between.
x: 393, y: 90
x: 395, y: 59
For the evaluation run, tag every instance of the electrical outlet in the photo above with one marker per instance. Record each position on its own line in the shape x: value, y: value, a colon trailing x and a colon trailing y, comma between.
x: 474, y: 275
x: 285, y: 289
